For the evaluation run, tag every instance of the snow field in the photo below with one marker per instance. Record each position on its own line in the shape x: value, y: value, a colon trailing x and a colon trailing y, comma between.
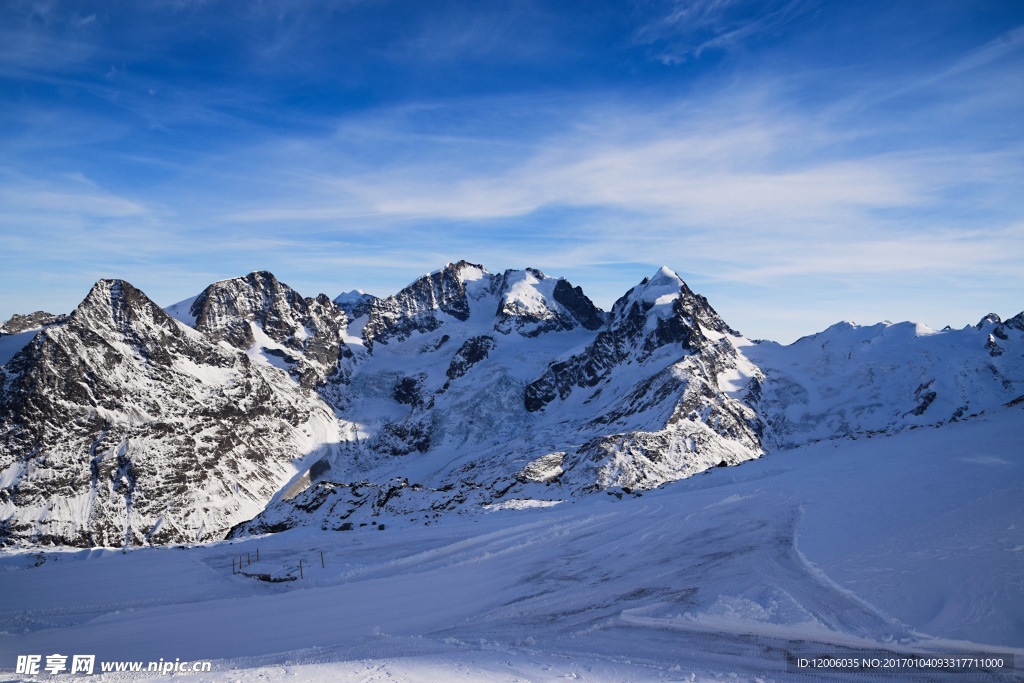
x: 910, y: 543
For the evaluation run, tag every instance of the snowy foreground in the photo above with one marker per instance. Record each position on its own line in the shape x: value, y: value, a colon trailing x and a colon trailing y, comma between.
x: 906, y: 543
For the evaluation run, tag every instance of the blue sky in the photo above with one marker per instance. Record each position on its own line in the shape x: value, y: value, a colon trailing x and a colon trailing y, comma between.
x: 796, y: 161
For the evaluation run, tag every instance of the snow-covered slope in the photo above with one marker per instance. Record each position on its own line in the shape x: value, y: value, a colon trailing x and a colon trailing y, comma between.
x: 249, y: 406
x: 728, y: 576
x: 484, y: 388
x: 851, y: 380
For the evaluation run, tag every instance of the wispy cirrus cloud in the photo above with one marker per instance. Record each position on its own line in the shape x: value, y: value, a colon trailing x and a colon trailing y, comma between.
x: 74, y: 194
x: 767, y: 150
x: 776, y: 171
x: 1006, y: 44
x: 684, y: 29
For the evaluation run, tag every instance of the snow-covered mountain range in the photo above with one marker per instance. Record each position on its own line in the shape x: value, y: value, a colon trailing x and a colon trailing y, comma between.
x: 251, y: 408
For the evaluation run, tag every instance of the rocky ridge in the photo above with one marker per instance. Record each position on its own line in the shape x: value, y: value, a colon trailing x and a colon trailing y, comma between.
x: 252, y: 408
x: 123, y: 426
x: 31, y: 321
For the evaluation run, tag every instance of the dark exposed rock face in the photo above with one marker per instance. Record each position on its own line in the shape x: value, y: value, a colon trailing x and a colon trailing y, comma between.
x: 640, y: 324
x: 32, y: 321
x: 990, y: 319
x: 125, y: 427
x: 524, y: 310
x: 409, y: 390
x: 404, y: 436
x: 469, y: 354
x: 417, y: 308
x: 579, y: 306
x: 925, y: 397
x: 229, y: 309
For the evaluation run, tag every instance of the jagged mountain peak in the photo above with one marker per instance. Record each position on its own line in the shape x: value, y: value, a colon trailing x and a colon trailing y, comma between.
x: 658, y: 323
x: 113, y: 308
x: 1016, y: 322
x: 990, y: 319
x: 418, y: 307
x: 124, y: 426
x: 524, y: 301
x: 466, y: 271
x: 665, y: 275
x: 531, y: 303
x: 665, y: 301
x: 115, y: 304
x: 258, y: 297
x: 108, y: 292
x: 240, y: 296
x: 264, y: 316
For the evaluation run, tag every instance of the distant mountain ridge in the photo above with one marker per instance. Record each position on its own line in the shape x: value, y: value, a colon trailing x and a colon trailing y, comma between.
x: 250, y: 408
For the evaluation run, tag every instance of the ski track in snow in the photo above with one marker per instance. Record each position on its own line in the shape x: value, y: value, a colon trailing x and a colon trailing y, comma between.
x: 834, y: 548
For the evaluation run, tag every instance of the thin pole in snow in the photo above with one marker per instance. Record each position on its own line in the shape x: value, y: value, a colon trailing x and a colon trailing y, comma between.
x: 232, y: 565
x: 248, y: 559
x: 321, y: 559
x: 300, y: 569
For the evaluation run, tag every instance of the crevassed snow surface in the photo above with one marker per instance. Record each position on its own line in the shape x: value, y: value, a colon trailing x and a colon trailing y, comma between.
x: 910, y: 543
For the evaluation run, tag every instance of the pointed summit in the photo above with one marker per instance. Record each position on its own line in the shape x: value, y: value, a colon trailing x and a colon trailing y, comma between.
x: 665, y: 276
x: 990, y: 319
x: 104, y: 298
x: 423, y: 305
x: 118, y: 306
x: 659, y: 300
x: 466, y: 271
x: 244, y: 309
x: 660, y: 318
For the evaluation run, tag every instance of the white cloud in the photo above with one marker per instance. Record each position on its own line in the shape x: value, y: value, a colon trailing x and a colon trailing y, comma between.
x: 1005, y: 44
x: 739, y: 187
x: 686, y: 170
x: 73, y: 195
x: 689, y: 27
